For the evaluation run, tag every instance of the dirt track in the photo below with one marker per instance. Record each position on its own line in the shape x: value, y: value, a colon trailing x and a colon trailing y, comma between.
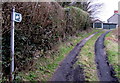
x: 65, y: 71
x: 105, y: 71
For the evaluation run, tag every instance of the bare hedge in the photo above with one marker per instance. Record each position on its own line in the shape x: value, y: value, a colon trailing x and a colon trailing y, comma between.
x: 43, y: 26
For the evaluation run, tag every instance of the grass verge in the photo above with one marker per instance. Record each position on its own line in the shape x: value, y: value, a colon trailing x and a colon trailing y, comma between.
x: 111, y: 44
x: 87, y: 59
x: 46, y: 66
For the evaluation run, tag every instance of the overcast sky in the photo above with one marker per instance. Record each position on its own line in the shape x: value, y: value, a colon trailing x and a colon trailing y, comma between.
x: 107, y: 9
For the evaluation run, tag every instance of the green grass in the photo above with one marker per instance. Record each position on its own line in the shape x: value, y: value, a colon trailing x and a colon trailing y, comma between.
x: 46, y: 66
x: 112, y: 52
x: 87, y: 59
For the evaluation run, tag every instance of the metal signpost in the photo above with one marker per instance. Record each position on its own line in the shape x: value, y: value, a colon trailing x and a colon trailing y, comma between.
x: 15, y: 17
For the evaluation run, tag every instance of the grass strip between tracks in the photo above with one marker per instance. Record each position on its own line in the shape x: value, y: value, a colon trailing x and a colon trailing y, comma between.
x: 86, y: 59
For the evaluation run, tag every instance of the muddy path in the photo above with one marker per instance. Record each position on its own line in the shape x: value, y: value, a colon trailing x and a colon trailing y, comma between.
x: 66, y: 71
x: 105, y: 70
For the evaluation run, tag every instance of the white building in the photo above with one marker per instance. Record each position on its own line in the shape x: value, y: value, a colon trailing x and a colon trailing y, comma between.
x: 97, y: 24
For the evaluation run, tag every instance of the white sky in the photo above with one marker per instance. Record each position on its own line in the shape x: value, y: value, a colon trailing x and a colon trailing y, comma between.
x: 107, y: 9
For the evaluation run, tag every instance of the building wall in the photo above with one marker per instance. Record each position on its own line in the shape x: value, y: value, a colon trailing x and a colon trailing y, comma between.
x: 119, y: 14
x: 118, y: 20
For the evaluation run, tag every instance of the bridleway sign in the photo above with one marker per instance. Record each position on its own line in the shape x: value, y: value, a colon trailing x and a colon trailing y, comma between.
x: 15, y: 17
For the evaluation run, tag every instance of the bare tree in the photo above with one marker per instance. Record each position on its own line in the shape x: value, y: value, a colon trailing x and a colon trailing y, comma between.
x: 93, y: 9
x: 89, y: 6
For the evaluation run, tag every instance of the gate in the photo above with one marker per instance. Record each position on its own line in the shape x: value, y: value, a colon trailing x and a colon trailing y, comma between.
x: 98, y: 25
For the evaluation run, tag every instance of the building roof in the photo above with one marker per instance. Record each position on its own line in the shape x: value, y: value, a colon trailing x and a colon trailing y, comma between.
x: 110, y: 23
x: 113, y: 16
x: 97, y: 20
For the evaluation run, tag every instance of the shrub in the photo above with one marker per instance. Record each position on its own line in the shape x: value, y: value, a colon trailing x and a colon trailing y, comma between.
x: 77, y: 20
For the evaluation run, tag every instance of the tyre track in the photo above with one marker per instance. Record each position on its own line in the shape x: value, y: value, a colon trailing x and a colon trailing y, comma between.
x: 105, y: 71
x: 65, y: 71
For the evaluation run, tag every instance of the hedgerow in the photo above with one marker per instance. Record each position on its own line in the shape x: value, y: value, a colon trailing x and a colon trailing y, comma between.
x: 43, y: 26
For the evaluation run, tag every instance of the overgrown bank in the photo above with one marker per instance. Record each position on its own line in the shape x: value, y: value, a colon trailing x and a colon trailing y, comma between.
x: 44, y: 25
